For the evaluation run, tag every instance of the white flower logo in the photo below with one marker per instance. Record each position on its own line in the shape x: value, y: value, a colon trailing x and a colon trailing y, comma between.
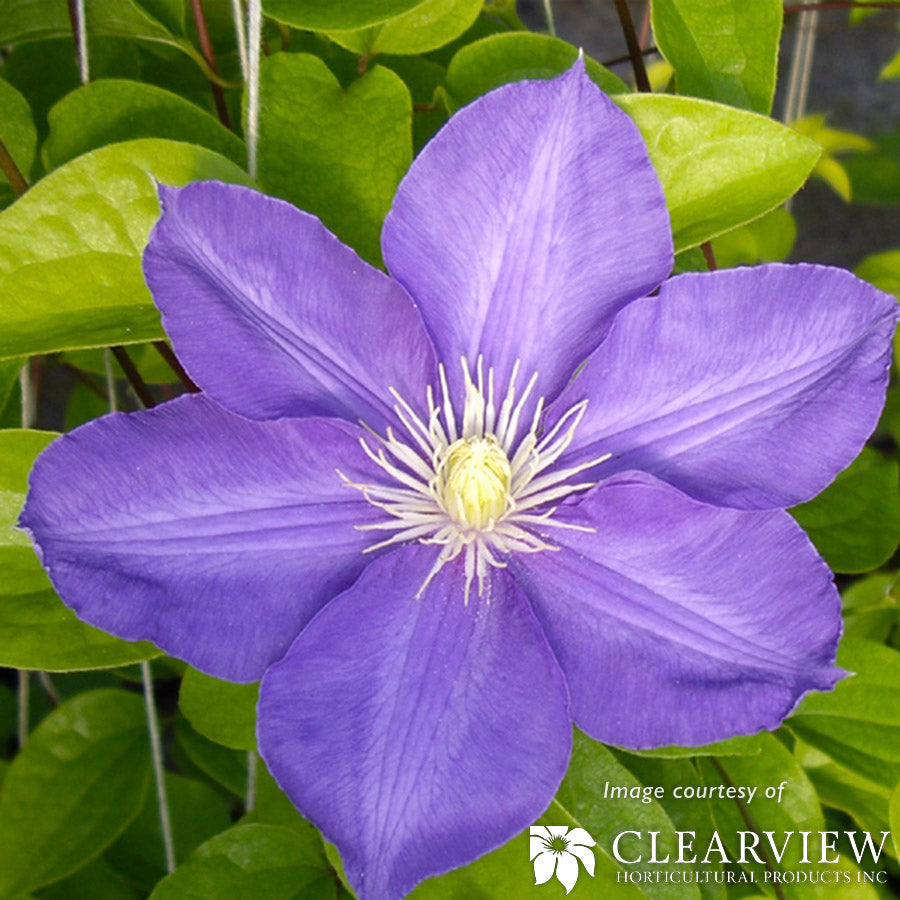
x: 556, y: 849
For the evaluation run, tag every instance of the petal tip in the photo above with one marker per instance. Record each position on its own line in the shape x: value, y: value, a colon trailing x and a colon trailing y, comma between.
x: 167, y: 194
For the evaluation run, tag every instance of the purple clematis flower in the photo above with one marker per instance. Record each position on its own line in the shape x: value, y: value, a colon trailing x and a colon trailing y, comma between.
x: 395, y: 504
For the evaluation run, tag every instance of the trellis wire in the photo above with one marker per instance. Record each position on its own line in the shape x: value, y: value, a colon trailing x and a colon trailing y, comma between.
x: 254, y: 45
x: 801, y: 69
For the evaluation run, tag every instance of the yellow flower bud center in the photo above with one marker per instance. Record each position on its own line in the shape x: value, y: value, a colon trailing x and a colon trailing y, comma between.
x: 475, y: 476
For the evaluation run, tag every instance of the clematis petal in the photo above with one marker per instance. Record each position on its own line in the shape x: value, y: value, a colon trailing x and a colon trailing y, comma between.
x: 749, y: 388
x: 681, y: 623
x: 567, y: 871
x: 526, y: 224
x: 302, y: 325
x: 544, y: 866
x: 213, y: 536
x: 396, y: 724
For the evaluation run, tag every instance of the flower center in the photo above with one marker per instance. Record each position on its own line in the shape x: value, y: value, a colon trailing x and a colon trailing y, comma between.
x: 479, y: 486
x: 475, y: 480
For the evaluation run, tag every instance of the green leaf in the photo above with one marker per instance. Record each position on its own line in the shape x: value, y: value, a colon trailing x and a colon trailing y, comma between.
x: 858, y: 723
x: 196, y: 811
x: 720, y: 167
x: 249, y: 862
x: 891, y: 69
x: 273, y: 807
x: 37, y: 20
x: 481, y: 66
x: 113, y: 110
x: 798, y: 809
x: 220, y: 710
x: 770, y: 238
x: 336, y: 153
x: 334, y: 15
x: 45, y: 71
x: 855, y: 522
x: 832, y: 142
x: 78, y: 782
x: 17, y: 129
x: 9, y: 375
x: 895, y: 819
x: 425, y: 27
x: 837, y: 787
x: 686, y: 813
x: 872, y: 607
x: 225, y: 766
x: 883, y: 270
x: 743, y: 745
x: 875, y: 177
x: 70, y: 273
x: 96, y: 881
x: 506, y: 872
x: 584, y: 793
x: 425, y: 80
x: 724, y: 50
x: 36, y: 630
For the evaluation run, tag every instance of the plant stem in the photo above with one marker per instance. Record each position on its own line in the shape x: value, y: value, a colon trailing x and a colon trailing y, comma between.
x: 209, y: 55
x: 165, y: 351
x: 645, y: 25
x: 748, y: 821
x: 709, y: 256
x: 165, y: 821
x: 634, y: 46
x: 15, y: 178
x: 145, y: 395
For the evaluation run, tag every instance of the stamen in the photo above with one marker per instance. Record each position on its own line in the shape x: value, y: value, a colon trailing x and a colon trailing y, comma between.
x: 449, y: 415
x: 513, y: 425
x: 460, y: 479
x: 506, y: 408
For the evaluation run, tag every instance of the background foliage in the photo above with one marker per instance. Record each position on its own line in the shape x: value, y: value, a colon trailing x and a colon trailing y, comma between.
x: 350, y: 90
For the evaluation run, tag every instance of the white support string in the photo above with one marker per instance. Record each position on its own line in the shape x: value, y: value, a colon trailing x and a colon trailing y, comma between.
x: 237, y: 13
x: 159, y: 774
x: 254, y: 45
x: 548, y: 13
x: 84, y: 67
x: 156, y: 750
x: 801, y: 69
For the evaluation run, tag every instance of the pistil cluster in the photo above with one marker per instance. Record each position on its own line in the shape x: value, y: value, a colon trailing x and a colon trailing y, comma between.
x: 477, y: 486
